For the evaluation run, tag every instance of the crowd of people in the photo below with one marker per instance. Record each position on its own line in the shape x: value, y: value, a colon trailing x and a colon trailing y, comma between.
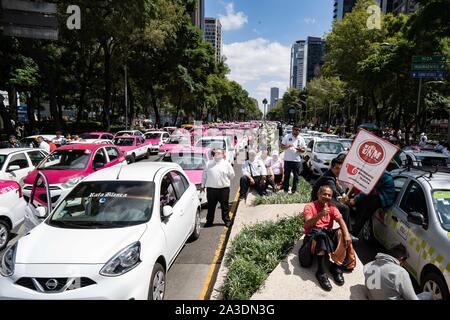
x: 42, y: 142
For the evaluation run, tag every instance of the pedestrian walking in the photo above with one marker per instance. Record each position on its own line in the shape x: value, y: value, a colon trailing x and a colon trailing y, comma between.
x: 216, y: 179
x: 293, y: 145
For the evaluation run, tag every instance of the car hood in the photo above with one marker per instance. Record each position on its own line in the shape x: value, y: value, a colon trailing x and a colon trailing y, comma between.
x: 326, y: 156
x: 195, y: 176
x: 46, y: 244
x: 152, y: 141
x: 56, y: 176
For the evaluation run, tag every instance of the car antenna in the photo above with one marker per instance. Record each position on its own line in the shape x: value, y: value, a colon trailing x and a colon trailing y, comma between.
x: 118, y: 174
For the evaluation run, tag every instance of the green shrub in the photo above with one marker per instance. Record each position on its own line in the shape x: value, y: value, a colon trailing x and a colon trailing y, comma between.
x: 302, y: 196
x: 255, y: 253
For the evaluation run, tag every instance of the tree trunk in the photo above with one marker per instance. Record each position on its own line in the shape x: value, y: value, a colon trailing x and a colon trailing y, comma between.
x: 6, y: 119
x: 132, y: 103
x: 53, y: 102
x: 154, y: 102
x: 12, y: 97
x: 108, y: 86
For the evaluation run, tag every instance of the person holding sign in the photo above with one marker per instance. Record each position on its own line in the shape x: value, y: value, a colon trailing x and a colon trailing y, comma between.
x: 293, y: 145
x: 322, y: 241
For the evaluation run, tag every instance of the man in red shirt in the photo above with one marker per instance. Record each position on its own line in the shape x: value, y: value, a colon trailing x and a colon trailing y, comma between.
x: 321, y: 240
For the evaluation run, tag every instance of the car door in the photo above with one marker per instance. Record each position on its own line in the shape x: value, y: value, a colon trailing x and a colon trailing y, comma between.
x: 99, y: 161
x: 186, y: 201
x: 113, y: 157
x: 406, y: 233
x: 173, y: 225
x: 383, y: 222
x: 18, y: 167
x: 36, y: 156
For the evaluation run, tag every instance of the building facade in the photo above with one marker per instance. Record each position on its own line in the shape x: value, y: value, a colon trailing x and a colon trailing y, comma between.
x: 405, y: 6
x: 274, y: 96
x: 342, y: 7
x: 297, y: 65
x: 213, y: 34
x: 315, y: 58
x: 198, y: 16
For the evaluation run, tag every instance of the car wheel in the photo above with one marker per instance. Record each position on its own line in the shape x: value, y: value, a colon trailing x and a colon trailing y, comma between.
x: 132, y: 159
x: 157, y: 283
x: 196, y: 233
x: 433, y: 282
x: 147, y: 156
x: 367, y: 231
x: 5, y: 233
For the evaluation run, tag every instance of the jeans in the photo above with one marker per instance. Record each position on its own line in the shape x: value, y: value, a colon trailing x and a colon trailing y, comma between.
x: 295, y: 168
x: 365, y: 208
x: 222, y: 196
x: 245, y: 186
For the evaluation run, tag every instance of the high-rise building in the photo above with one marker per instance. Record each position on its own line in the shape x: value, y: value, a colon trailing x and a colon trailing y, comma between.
x: 274, y: 96
x: 405, y: 6
x: 297, y: 65
x: 213, y: 34
x: 342, y: 7
x: 198, y: 16
x: 315, y: 58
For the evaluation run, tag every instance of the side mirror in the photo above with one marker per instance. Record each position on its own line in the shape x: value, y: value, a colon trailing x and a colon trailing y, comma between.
x: 167, y: 211
x: 41, y: 212
x: 416, y: 218
x: 13, y: 168
x: 98, y: 165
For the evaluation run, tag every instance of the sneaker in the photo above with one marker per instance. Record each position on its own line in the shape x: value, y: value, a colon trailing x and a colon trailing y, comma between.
x: 323, y: 281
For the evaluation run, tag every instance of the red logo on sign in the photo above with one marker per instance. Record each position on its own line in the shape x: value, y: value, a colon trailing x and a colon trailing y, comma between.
x: 351, y: 169
x: 371, y: 152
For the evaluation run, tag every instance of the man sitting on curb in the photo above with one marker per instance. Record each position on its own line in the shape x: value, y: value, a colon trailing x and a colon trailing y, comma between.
x: 339, y: 197
x: 386, y: 279
x: 322, y: 241
x: 253, y: 175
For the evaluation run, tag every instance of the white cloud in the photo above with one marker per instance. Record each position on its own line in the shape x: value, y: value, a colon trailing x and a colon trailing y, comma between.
x: 233, y: 20
x: 309, y: 20
x: 258, y: 65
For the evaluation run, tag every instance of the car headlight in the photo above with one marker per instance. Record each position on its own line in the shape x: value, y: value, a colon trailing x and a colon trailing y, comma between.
x: 8, y: 261
x: 124, y: 261
x: 316, y: 159
x: 71, y: 182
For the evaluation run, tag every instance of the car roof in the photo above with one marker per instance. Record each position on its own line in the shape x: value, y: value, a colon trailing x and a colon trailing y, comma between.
x: 98, y: 132
x: 426, y: 153
x: 189, y: 149
x: 7, y: 151
x: 82, y: 146
x: 155, y: 132
x: 141, y: 171
x: 439, y: 180
x: 127, y: 137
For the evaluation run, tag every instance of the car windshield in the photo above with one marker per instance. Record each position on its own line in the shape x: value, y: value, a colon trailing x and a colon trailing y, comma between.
x: 66, y: 160
x: 124, y: 142
x: 329, y: 147
x: 89, y: 136
x: 183, y: 140
x: 188, y: 161
x: 152, y: 135
x: 211, y: 143
x: 346, y: 143
x: 441, y: 201
x: 105, y: 204
x: 124, y: 133
x: 2, y: 160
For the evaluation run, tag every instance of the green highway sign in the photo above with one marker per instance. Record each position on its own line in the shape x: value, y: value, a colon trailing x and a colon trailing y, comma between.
x: 425, y: 59
x: 429, y: 66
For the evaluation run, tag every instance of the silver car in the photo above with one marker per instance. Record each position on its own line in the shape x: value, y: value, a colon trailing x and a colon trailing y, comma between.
x: 420, y: 220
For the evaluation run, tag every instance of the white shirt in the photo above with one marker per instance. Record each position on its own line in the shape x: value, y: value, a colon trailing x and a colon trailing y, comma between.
x: 291, y: 154
x: 277, y: 166
x: 217, y: 174
x: 44, y: 145
x: 256, y: 168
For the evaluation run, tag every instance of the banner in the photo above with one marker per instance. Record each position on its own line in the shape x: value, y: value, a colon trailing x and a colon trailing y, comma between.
x: 366, y: 161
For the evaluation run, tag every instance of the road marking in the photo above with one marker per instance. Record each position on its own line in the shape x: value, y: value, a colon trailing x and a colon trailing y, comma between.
x: 207, y: 290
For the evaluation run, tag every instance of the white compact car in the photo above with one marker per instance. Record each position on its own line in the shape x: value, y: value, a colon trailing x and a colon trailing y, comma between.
x: 114, y: 236
x: 219, y: 142
x: 12, y: 209
x: 17, y: 163
x: 321, y: 152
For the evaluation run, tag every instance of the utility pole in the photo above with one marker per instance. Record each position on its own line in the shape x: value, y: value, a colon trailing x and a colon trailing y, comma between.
x: 418, y: 107
x: 126, y: 98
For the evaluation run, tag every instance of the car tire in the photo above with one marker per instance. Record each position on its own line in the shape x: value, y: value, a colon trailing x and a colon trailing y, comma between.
x: 147, y: 155
x: 131, y: 159
x: 196, y: 233
x: 5, y: 234
x: 434, y: 282
x: 157, y: 287
x: 367, y: 232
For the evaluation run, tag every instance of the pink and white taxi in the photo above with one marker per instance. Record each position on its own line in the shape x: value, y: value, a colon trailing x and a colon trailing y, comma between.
x: 156, y: 139
x: 12, y: 209
x: 134, y: 147
x: 68, y: 165
x: 193, y: 160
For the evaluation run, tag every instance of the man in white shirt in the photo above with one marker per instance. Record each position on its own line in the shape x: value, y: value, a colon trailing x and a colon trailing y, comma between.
x: 293, y: 145
x: 42, y: 144
x: 216, y: 178
x: 59, y: 139
x: 423, y: 140
x: 254, y: 172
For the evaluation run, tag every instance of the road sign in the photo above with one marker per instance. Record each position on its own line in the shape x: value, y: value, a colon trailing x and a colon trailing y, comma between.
x: 428, y: 66
x: 428, y: 74
x: 425, y: 59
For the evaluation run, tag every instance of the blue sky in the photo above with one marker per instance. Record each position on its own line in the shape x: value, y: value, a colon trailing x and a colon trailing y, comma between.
x: 258, y: 34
